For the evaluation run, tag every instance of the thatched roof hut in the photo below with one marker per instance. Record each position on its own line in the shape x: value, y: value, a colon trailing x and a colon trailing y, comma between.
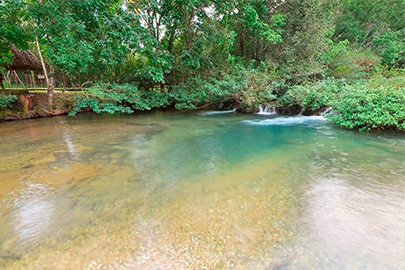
x: 24, y: 60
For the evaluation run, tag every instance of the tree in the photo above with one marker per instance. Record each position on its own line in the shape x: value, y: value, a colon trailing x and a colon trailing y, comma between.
x: 84, y: 38
x: 257, y: 24
x: 378, y: 25
x: 12, y: 32
x: 307, y: 32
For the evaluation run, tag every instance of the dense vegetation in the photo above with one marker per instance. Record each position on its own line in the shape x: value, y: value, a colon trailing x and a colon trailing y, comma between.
x: 297, y: 55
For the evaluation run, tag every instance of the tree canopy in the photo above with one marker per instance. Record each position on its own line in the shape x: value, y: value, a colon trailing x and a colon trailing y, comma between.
x: 202, y: 51
x: 161, y: 41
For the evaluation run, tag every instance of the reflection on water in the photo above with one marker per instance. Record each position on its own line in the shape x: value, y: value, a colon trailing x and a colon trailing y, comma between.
x: 348, y: 223
x: 166, y: 190
x: 33, y: 214
x: 67, y: 137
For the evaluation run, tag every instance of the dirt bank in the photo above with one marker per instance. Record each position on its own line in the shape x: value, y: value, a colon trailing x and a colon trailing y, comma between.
x: 35, y: 104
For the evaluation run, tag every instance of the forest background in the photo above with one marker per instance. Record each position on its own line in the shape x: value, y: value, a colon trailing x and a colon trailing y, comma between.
x: 299, y: 56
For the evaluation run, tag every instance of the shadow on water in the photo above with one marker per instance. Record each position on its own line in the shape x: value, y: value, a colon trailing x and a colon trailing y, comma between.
x: 199, y: 191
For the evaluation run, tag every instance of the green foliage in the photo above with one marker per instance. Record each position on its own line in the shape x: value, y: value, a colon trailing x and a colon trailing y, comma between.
x: 362, y: 21
x: 258, y: 26
x: 247, y: 87
x: 12, y: 29
x: 363, y: 107
x: 375, y: 104
x: 84, y: 39
x: 312, y: 96
x: 391, y: 47
x: 7, y: 100
x: 343, y: 61
x: 306, y: 36
x: 187, y: 96
x: 261, y: 89
x: 198, y: 92
x: 152, y: 65
x: 377, y: 25
x: 335, y: 51
x: 119, y: 99
x: 296, y: 54
x: 11, y: 20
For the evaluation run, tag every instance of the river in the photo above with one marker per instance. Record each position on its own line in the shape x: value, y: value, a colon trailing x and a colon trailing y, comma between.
x: 199, y: 190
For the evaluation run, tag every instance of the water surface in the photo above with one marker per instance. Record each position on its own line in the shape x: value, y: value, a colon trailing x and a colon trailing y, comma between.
x: 203, y: 190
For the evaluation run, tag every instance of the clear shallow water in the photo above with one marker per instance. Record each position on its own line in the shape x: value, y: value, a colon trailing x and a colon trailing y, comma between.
x: 169, y: 190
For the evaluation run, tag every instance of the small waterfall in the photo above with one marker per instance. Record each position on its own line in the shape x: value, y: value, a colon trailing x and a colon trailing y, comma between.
x: 300, y: 114
x: 327, y: 110
x: 267, y: 110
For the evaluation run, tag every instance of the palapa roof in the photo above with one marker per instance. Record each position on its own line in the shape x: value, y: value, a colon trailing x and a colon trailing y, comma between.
x: 24, y: 60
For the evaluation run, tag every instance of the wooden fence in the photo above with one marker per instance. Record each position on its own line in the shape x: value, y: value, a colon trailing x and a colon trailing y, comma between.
x: 36, y: 81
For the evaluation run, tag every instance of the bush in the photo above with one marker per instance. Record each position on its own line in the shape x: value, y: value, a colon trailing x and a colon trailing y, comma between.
x: 375, y: 104
x: 125, y: 98
x: 363, y: 107
x: 311, y: 97
x: 197, y: 93
x: 261, y: 89
x: 344, y: 61
x: 246, y: 87
x: 378, y: 103
x: 391, y: 47
x: 7, y: 100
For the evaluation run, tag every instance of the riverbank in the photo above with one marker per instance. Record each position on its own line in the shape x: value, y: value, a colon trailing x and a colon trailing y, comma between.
x: 28, y: 105
x: 374, y: 104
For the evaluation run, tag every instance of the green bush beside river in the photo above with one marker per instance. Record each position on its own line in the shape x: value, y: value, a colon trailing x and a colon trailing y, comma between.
x: 377, y: 103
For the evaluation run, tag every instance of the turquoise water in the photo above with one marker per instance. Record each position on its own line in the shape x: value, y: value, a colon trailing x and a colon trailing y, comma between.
x: 199, y: 190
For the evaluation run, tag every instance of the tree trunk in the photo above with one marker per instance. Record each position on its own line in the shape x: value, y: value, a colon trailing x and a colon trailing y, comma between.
x: 188, y: 19
x: 1, y: 81
x: 171, y: 39
x: 242, y: 44
x: 50, y: 84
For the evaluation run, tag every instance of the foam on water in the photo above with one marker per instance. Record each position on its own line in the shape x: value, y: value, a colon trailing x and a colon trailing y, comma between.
x: 287, y: 121
x: 217, y: 112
